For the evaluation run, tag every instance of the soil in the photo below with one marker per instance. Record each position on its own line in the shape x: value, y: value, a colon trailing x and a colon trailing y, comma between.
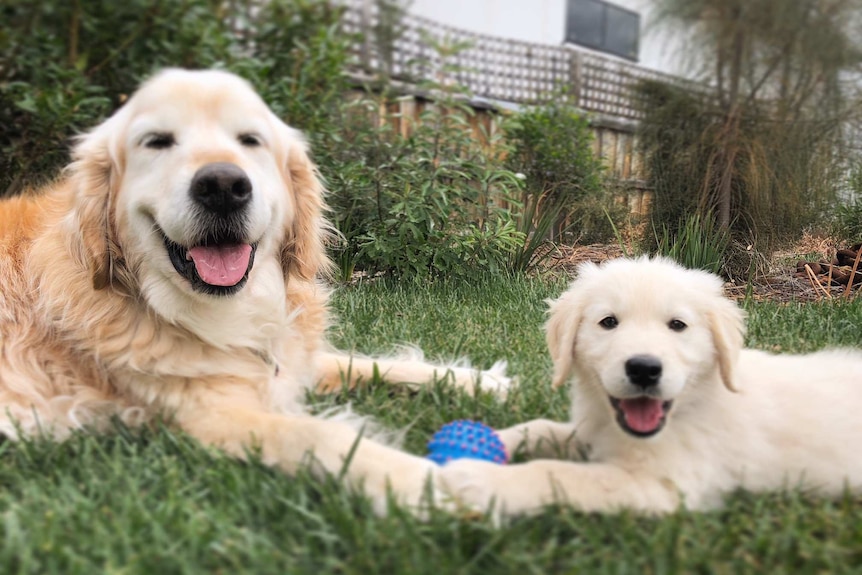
x: 777, y: 283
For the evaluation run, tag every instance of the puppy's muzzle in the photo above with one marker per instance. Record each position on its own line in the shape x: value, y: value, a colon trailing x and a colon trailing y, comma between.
x: 643, y: 370
x: 643, y: 414
x: 221, y: 188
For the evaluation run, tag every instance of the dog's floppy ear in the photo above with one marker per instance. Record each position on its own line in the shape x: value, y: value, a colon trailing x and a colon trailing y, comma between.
x: 727, y: 324
x: 94, y: 173
x: 304, y: 251
x: 561, y: 331
x: 565, y: 316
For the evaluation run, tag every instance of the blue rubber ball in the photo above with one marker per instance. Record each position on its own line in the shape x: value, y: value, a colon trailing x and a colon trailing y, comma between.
x: 465, y: 438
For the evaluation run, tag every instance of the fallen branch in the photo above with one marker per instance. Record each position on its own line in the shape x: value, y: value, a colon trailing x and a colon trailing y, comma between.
x: 815, y: 283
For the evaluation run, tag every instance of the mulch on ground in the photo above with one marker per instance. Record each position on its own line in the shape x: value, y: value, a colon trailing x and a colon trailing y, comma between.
x: 780, y: 283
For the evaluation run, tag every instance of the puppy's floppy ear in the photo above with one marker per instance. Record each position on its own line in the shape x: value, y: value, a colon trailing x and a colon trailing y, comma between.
x: 565, y: 316
x: 561, y: 332
x: 727, y: 324
x: 95, y: 175
x: 304, y: 252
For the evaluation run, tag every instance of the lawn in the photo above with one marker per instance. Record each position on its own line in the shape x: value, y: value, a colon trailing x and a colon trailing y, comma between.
x: 155, y: 502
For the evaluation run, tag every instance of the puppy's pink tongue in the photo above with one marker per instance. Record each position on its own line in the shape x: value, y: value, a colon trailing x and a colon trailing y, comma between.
x: 642, y: 414
x: 221, y: 265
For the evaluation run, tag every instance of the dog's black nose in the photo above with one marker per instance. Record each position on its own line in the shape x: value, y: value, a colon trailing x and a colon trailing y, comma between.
x: 643, y: 370
x: 221, y: 187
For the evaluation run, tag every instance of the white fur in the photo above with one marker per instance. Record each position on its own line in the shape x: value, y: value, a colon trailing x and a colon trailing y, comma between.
x: 740, y: 418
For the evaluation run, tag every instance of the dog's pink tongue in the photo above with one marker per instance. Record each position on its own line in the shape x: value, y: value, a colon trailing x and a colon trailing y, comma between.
x: 642, y: 414
x: 221, y: 265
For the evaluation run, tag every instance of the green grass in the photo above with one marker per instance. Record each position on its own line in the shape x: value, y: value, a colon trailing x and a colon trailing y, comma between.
x: 155, y: 502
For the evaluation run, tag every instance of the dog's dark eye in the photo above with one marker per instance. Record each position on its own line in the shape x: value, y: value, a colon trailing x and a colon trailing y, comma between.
x: 249, y: 140
x: 676, y: 325
x: 609, y: 322
x: 159, y: 141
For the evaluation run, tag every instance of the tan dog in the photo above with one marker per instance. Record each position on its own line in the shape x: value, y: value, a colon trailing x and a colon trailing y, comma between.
x: 173, y: 271
x: 668, y: 409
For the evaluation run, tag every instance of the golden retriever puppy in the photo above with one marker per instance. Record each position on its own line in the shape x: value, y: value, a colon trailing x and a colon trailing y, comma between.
x: 173, y: 270
x: 668, y: 409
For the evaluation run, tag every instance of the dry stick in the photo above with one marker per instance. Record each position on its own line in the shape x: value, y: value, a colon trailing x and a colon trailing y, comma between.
x: 852, y: 275
x: 815, y: 284
x: 829, y: 279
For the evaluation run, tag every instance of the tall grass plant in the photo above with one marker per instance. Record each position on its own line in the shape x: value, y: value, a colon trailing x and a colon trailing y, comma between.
x: 696, y: 242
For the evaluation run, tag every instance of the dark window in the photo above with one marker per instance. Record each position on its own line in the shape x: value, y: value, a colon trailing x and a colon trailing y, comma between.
x: 604, y: 27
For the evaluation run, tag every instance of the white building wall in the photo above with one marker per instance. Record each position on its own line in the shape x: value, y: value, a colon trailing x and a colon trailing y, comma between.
x: 538, y: 21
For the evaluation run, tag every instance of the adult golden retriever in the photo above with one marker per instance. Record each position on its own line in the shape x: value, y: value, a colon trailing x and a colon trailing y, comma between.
x: 668, y: 409
x: 173, y: 270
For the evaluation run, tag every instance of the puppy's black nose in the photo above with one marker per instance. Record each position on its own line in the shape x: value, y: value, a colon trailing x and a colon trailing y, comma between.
x: 221, y: 187
x: 643, y: 370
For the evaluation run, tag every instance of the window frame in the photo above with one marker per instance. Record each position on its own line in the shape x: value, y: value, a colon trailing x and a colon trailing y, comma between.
x: 602, y: 45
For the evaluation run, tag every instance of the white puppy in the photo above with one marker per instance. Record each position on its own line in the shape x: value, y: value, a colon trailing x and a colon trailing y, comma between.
x: 668, y: 409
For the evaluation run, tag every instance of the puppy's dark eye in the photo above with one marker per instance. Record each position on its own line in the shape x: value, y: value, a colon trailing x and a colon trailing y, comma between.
x: 609, y: 322
x: 159, y: 140
x: 676, y: 325
x: 249, y: 140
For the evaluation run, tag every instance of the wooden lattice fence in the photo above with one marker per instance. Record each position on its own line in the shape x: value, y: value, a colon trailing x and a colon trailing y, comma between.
x: 501, y: 72
x: 494, y: 68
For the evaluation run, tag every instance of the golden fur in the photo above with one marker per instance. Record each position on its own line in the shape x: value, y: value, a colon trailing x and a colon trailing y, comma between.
x: 95, y: 322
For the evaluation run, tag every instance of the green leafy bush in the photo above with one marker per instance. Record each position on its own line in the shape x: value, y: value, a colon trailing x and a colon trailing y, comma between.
x: 426, y: 204
x: 782, y: 173
x: 440, y: 199
x: 64, y: 66
x: 552, y: 148
x: 846, y: 221
x: 419, y: 205
x: 676, y: 151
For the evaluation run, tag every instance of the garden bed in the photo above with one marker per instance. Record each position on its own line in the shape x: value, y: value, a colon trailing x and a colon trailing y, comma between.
x: 780, y: 281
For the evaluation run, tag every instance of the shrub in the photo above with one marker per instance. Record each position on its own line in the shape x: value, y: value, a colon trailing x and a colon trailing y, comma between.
x: 420, y: 205
x: 552, y: 148
x: 846, y: 221
x: 432, y: 202
x: 64, y: 66
x: 676, y: 152
x: 782, y: 173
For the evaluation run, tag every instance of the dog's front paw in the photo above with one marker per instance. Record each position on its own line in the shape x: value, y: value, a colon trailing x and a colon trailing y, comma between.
x: 410, y: 481
x: 501, y: 490
x: 471, y: 484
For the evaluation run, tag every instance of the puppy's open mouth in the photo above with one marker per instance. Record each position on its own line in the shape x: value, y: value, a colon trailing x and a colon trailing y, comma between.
x: 641, y: 416
x: 215, y: 266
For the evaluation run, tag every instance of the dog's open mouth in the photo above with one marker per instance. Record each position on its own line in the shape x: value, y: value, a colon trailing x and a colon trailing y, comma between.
x: 216, y: 266
x: 641, y: 416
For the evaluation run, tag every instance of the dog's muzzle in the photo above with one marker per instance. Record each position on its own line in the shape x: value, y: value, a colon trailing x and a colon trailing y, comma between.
x: 216, y: 266
x: 643, y: 415
x: 220, y: 261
